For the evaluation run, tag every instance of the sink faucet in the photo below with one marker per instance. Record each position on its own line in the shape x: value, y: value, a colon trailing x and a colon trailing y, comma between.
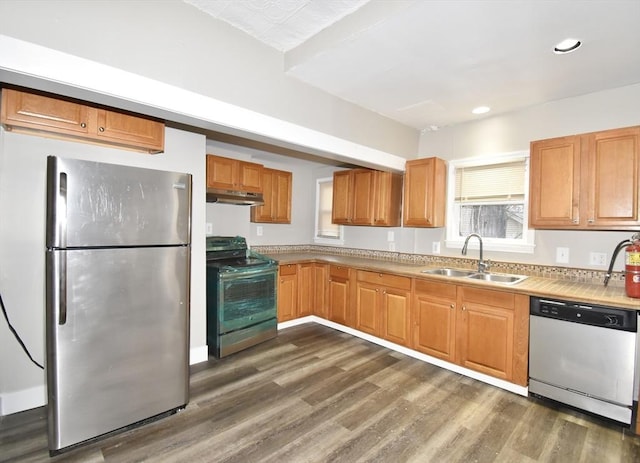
x: 482, y: 265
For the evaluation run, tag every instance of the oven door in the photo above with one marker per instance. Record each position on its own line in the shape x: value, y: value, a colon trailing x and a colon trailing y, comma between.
x: 245, y: 297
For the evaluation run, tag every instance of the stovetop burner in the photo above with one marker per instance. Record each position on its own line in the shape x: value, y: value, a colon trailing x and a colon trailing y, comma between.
x: 231, y: 254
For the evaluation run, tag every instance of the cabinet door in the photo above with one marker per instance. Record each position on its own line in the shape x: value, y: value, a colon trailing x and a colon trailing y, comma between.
x: 342, y: 191
x: 396, y: 313
x: 221, y: 172
x: 362, y: 197
x: 306, y: 289
x: 339, y: 294
x: 613, y: 161
x: 249, y: 177
x: 486, y: 331
x: 43, y: 113
x: 281, y: 188
x: 287, y: 292
x: 126, y: 129
x: 265, y: 213
x: 554, y: 185
x: 321, y: 275
x: 368, y: 311
x: 425, y: 193
x: 387, y: 199
x: 435, y: 319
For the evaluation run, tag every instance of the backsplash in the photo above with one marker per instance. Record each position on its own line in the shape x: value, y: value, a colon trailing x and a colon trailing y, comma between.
x: 546, y: 271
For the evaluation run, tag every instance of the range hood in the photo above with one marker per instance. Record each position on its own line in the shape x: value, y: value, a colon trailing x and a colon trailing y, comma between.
x: 242, y: 198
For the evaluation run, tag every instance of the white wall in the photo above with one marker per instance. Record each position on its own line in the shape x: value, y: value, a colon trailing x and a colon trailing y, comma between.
x: 513, y: 132
x: 173, y: 42
x: 22, y: 246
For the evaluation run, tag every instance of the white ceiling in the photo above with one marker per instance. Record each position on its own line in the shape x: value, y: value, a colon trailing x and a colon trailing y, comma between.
x: 427, y: 63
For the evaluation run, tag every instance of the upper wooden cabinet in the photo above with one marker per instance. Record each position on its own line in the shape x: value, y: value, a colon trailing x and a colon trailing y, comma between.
x: 48, y: 116
x: 366, y: 197
x: 276, y: 187
x: 587, y: 181
x: 233, y: 174
x: 425, y: 195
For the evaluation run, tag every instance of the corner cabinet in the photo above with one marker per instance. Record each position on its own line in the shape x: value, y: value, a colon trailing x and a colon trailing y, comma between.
x: 588, y: 181
x: 366, y: 197
x: 425, y: 195
x: 233, y: 174
x: 39, y: 114
x: 276, y: 188
x: 484, y: 330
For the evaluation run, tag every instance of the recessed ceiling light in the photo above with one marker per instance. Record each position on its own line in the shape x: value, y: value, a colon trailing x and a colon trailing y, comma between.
x: 481, y: 110
x: 567, y: 46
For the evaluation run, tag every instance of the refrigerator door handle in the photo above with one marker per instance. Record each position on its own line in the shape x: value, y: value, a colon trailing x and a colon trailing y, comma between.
x: 62, y: 282
x: 62, y: 209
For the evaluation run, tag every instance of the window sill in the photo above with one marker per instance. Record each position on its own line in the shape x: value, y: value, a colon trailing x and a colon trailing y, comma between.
x: 489, y: 246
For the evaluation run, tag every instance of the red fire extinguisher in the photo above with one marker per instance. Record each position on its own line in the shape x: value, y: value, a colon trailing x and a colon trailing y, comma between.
x: 632, y: 268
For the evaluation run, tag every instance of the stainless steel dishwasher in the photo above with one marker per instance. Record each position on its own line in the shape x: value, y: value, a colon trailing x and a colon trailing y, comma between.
x: 585, y: 356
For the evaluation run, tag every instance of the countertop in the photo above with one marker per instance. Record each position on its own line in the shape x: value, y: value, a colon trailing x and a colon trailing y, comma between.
x: 533, y: 286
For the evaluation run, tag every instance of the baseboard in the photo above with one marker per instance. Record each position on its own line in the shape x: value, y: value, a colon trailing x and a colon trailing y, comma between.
x: 26, y: 399
x: 516, y: 389
x: 198, y: 354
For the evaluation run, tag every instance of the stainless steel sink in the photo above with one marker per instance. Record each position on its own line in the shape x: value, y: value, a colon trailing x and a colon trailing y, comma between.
x: 498, y: 278
x: 449, y: 272
x: 473, y: 274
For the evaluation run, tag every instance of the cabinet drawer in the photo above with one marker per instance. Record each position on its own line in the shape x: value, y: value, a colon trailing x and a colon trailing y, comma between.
x: 339, y: 271
x: 431, y: 288
x: 385, y: 279
x: 489, y: 297
x: 288, y: 269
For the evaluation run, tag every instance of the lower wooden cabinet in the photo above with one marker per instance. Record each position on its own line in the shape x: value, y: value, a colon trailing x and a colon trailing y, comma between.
x: 434, y: 317
x: 383, y: 304
x: 287, y: 292
x: 339, y: 294
x: 481, y: 329
x: 302, y: 290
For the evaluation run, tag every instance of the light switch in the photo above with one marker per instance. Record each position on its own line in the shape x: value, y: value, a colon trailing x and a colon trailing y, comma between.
x: 209, y: 228
x: 259, y: 230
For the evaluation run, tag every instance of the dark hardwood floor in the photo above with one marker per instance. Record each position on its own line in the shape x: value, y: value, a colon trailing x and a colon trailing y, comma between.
x: 318, y: 395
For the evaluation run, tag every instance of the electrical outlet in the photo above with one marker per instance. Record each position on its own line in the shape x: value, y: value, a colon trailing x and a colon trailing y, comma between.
x: 259, y: 230
x: 435, y: 247
x: 209, y: 228
x: 562, y: 255
x: 391, y: 236
x: 598, y: 258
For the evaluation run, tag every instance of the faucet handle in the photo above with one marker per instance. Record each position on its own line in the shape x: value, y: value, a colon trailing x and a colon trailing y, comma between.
x: 484, y: 265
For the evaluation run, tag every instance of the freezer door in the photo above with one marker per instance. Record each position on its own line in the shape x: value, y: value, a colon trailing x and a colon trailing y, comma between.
x: 120, y: 353
x: 91, y: 204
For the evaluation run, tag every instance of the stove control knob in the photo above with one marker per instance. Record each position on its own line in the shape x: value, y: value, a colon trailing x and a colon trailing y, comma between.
x: 611, y: 320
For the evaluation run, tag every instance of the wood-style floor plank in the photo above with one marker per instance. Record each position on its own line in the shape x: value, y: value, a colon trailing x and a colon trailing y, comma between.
x: 314, y: 394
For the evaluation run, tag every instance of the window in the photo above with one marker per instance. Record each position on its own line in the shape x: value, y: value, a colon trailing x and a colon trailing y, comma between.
x: 325, y: 231
x: 489, y: 196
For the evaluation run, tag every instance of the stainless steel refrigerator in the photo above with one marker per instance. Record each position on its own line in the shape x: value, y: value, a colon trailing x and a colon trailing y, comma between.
x: 117, y: 297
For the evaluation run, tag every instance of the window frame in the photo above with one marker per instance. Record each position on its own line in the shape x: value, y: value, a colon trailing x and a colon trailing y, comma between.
x: 339, y: 240
x: 452, y: 239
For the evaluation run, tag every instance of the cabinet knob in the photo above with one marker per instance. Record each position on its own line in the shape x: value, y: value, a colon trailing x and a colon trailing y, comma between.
x: 83, y: 125
x: 591, y: 220
x: 453, y: 306
x: 101, y: 129
x: 464, y: 308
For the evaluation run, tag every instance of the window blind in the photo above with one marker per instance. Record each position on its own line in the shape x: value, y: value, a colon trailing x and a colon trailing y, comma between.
x: 494, y: 182
x: 326, y: 229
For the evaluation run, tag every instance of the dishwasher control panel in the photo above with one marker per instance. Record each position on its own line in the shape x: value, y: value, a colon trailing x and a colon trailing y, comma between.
x: 588, y: 314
